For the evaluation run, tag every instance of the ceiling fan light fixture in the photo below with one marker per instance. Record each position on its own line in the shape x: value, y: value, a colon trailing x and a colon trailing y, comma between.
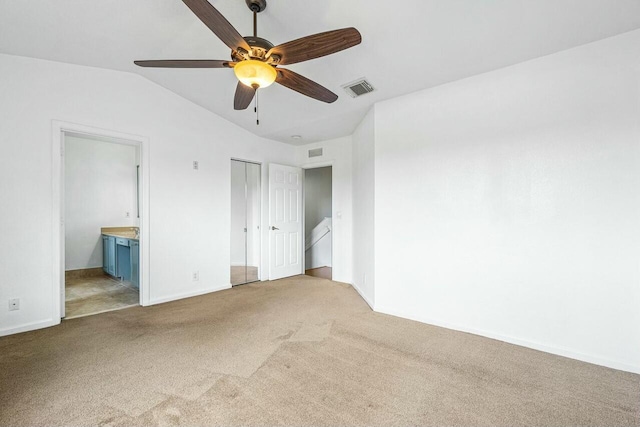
x: 255, y: 73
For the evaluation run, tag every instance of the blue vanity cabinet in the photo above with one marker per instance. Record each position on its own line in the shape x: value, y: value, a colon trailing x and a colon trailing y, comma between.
x: 109, y: 255
x: 135, y: 262
x: 123, y: 259
x: 105, y: 253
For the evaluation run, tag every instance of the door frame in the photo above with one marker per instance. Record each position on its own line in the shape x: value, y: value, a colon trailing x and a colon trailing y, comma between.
x: 260, y: 236
x: 58, y: 130
x: 304, y: 213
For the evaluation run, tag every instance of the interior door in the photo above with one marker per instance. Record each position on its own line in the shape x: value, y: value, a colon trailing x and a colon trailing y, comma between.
x: 246, y: 197
x: 238, y: 223
x: 285, y: 221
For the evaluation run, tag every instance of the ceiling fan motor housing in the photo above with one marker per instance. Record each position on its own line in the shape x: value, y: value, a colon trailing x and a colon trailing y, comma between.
x: 259, y: 49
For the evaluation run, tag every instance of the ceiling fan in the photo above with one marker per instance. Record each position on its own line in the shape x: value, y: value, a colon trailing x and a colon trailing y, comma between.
x: 256, y: 61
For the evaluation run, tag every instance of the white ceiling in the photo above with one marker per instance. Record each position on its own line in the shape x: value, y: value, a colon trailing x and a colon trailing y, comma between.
x: 407, y: 45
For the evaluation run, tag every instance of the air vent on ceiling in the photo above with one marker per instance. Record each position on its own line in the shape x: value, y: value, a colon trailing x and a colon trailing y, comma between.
x: 316, y: 152
x: 358, y: 88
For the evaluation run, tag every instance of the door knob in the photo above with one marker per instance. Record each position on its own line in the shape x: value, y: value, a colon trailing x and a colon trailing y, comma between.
x: 274, y: 228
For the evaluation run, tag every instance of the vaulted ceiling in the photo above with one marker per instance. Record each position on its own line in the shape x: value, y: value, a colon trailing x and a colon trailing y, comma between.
x: 407, y: 45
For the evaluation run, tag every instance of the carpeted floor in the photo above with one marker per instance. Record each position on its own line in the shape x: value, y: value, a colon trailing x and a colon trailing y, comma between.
x: 299, y: 351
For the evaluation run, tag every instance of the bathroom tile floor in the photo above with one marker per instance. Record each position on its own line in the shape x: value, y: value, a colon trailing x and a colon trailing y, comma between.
x: 91, y: 295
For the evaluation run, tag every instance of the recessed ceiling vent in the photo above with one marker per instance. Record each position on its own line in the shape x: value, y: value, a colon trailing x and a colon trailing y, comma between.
x: 316, y: 152
x: 358, y: 88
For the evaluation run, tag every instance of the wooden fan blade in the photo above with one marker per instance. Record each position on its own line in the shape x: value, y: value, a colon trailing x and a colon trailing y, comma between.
x: 186, y: 63
x: 217, y: 23
x: 244, y: 96
x: 315, y: 46
x: 303, y: 85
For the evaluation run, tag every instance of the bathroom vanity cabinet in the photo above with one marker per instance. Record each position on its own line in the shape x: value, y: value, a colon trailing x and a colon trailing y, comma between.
x: 121, y: 257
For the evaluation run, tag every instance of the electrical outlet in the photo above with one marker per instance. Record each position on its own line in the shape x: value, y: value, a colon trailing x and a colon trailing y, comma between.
x: 195, y: 165
x: 196, y: 276
x: 127, y: 214
x: 14, y: 304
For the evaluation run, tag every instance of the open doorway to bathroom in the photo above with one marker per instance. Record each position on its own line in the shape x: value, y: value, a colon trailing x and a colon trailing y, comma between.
x: 101, y: 211
x: 317, y: 219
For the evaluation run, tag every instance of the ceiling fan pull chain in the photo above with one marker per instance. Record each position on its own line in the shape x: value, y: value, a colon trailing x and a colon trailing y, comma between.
x: 256, y: 109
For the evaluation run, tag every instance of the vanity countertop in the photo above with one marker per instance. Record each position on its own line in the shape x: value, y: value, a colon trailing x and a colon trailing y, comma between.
x: 123, y: 232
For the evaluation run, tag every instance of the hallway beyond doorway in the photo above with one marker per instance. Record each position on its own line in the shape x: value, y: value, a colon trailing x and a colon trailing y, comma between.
x: 318, y: 209
x: 321, y: 272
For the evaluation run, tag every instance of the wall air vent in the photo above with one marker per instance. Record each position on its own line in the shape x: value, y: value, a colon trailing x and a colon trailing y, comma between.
x: 358, y: 88
x: 316, y: 152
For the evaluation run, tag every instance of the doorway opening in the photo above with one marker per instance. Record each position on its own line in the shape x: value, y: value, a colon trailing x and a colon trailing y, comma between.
x: 101, y: 215
x: 318, y: 222
x: 245, y: 221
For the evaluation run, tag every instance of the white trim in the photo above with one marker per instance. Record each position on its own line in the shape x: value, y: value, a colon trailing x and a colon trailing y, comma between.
x: 236, y: 159
x: 109, y: 310
x: 560, y: 351
x: 85, y: 268
x: 58, y: 128
x: 29, y: 327
x: 57, y: 278
x: 318, y: 165
x: 176, y: 297
x: 363, y: 296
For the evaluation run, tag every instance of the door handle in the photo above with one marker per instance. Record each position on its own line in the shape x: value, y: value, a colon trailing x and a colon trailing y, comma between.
x: 274, y: 228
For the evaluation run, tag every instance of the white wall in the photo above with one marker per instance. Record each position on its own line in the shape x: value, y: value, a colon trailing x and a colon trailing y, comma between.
x: 189, y: 210
x: 364, y: 181
x: 508, y: 204
x: 317, y: 197
x: 337, y: 153
x: 100, y: 188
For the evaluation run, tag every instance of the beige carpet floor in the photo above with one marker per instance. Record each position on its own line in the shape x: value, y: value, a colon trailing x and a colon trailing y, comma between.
x: 299, y: 351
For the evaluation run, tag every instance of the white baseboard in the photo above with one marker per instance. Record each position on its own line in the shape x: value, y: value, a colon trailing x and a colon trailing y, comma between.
x: 83, y: 268
x: 363, y: 296
x: 559, y: 351
x: 29, y: 327
x: 176, y: 297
